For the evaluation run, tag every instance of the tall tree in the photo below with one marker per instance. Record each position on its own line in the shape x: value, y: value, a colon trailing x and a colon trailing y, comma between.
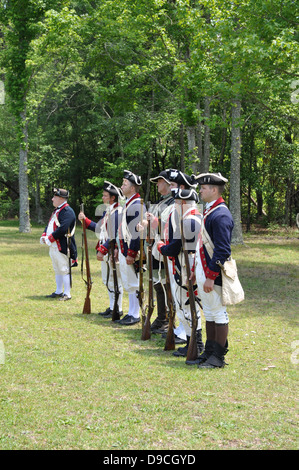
x: 20, y: 18
x: 234, y: 200
x: 23, y: 24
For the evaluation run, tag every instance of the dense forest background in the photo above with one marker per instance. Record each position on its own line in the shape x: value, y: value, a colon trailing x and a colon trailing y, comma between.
x: 89, y: 88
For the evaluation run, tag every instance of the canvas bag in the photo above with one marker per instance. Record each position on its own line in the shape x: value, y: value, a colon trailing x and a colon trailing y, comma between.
x: 232, y: 291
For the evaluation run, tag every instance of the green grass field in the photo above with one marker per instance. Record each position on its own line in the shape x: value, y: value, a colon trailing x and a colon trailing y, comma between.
x: 74, y: 381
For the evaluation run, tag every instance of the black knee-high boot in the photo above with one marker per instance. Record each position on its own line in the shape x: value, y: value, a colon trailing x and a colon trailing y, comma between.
x: 216, y: 359
x: 204, y: 351
x: 182, y: 352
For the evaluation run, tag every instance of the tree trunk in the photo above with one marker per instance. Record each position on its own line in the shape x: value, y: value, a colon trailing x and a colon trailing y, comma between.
x: 149, y: 171
x: 182, y: 148
x: 24, y: 210
x: 207, y: 140
x: 260, y: 203
x: 198, y: 137
x: 289, y: 188
x: 235, y: 197
x: 38, y: 208
x: 223, y: 138
x: 192, y: 148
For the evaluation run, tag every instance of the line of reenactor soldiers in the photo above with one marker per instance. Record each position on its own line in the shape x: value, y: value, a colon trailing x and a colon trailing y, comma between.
x: 166, y: 238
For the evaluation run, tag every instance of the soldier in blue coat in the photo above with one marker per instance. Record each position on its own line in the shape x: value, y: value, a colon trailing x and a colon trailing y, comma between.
x: 106, y: 228
x: 59, y: 236
x: 187, y: 213
x: 129, y: 244
x: 218, y: 224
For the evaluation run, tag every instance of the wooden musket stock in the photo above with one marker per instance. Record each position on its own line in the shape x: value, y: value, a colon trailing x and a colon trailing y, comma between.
x: 146, y: 327
x: 170, y: 340
x: 88, y: 282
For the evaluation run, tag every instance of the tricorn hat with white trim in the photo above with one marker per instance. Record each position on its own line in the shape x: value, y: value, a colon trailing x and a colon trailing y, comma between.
x: 135, y: 179
x: 187, y: 194
x: 163, y: 175
x: 113, y: 190
x: 182, y: 178
x: 211, y: 178
x: 61, y: 192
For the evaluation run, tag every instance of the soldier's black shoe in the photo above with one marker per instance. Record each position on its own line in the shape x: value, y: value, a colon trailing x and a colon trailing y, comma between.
x: 108, y: 314
x: 54, y: 295
x: 128, y: 320
x: 65, y: 297
x: 181, y: 352
x: 159, y: 326
x: 107, y: 311
x: 208, y: 350
x: 177, y: 340
x: 119, y: 313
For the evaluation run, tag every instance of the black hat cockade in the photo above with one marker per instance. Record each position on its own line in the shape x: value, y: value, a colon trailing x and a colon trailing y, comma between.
x: 113, y: 190
x: 211, y: 178
x: 61, y: 193
x: 186, y: 194
x: 179, y: 177
x: 162, y: 175
x: 135, y: 179
x: 172, y: 174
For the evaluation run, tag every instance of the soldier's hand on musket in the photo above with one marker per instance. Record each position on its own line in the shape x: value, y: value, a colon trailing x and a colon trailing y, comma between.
x: 192, y: 277
x: 100, y: 256
x: 81, y: 216
x: 116, y: 255
x: 150, y: 217
x: 142, y: 225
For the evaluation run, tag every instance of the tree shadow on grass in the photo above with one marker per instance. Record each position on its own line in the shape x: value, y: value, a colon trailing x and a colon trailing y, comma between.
x: 154, y: 347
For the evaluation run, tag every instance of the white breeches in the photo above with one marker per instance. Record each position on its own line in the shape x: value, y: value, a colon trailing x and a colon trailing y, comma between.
x: 60, y: 261
x: 211, y: 302
x: 130, y: 280
x: 108, y: 281
x: 183, y: 311
x: 107, y: 275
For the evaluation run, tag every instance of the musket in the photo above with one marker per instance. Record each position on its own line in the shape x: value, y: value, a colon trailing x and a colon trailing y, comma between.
x: 170, y: 339
x: 88, y: 282
x: 146, y: 327
x: 69, y: 254
x: 192, y: 352
x: 115, y: 311
x: 140, y: 292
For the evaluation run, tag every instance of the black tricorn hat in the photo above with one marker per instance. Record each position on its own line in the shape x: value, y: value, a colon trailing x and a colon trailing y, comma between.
x: 182, y: 178
x: 135, y: 179
x: 187, y: 194
x: 112, y: 189
x: 61, y: 192
x: 211, y: 178
x: 163, y: 175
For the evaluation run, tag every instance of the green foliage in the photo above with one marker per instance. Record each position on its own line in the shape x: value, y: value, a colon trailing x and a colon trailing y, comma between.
x: 108, y: 85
